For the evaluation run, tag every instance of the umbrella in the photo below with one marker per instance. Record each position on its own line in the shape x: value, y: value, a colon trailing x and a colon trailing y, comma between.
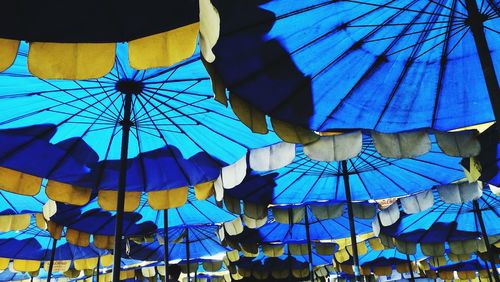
x: 390, y: 66
x: 460, y: 225
x: 352, y: 174
x: 465, y: 269
x: 167, y: 34
x: 129, y: 132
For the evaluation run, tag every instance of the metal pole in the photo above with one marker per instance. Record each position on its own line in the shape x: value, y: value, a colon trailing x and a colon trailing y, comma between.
x: 289, y: 255
x: 491, y: 256
x: 309, y: 248
x: 475, y: 21
x: 120, y: 203
x: 97, y: 267
x: 351, y: 219
x: 52, y: 256
x: 187, y: 253
x: 411, y: 268
x: 165, y: 239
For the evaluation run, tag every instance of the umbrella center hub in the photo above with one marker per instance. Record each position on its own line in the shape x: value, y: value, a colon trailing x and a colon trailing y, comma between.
x: 129, y: 86
x: 476, y: 19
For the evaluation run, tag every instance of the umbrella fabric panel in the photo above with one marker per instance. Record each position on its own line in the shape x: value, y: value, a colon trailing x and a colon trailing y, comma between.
x: 279, y: 58
x: 74, y: 127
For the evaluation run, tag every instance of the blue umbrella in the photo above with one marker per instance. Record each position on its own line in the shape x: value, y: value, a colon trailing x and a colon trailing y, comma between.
x: 472, y: 264
x: 154, y: 131
x: 391, y: 66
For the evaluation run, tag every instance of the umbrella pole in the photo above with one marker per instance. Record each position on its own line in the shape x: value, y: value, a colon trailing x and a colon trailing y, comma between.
x: 97, y: 267
x: 187, y: 253
x: 475, y: 21
x: 410, y: 267
x: 120, y: 203
x: 165, y: 239
x: 491, y: 256
x: 52, y: 256
x: 289, y: 255
x: 309, y: 248
x: 351, y: 219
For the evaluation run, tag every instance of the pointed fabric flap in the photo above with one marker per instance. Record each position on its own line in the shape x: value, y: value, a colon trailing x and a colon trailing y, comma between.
x: 342, y: 255
x: 73, y: 61
x: 327, y: 211
x: 325, y: 248
x: 406, y: 247
x: 298, y: 249
x: 376, y: 226
x: 458, y: 258
x: 458, y: 193
x: 273, y: 250
x: 49, y: 209
x: 234, y: 227
x: 386, y: 240
x: 212, y: 266
x: 204, y: 190
x: 494, y: 189
x: 293, y: 134
x: 432, y: 249
x: 232, y: 204
x: 418, y: 202
x: 279, y: 273
x: 363, y: 210
x: 233, y: 174
x: 300, y: 273
x: 233, y: 255
x: 254, y: 223
x: 390, y: 215
x: 281, y: 214
x: 218, y: 189
x: 163, y: 49
x: 335, y: 148
x: 459, y: 144
x: 362, y: 249
x: 209, y: 29
x: 248, y: 115
x: 437, y: 261
x: 249, y: 249
x: 148, y: 271
x: 272, y: 157
x: 255, y: 211
x: 8, y: 52
x: 463, y: 247
x: 402, y: 145
x: 40, y: 221
x: 221, y: 234
x: 376, y: 244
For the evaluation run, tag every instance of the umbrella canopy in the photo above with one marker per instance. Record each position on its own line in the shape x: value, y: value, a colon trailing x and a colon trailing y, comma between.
x: 178, y: 136
x: 390, y: 66
x: 91, y: 219
x: 371, y: 176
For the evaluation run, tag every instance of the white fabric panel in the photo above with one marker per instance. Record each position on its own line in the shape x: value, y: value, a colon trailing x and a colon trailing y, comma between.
x: 363, y: 210
x: 494, y: 189
x: 233, y: 174
x: 234, y: 227
x: 389, y: 215
x: 335, y: 148
x: 418, y: 202
x: 325, y: 211
x: 457, y: 193
x: 255, y: 211
x: 233, y: 205
x: 221, y: 234
x: 49, y: 209
x: 272, y: 157
x: 254, y: 223
x: 219, y: 189
x: 386, y: 241
x: 376, y: 226
x: 209, y: 29
x: 459, y: 144
x: 233, y: 255
x: 402, y: 145
x: 148, y: 271
x: 321, y: 272
x: 281, y: 214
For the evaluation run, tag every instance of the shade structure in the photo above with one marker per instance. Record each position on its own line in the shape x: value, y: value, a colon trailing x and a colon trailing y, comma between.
x: 382, y: 260
x: 382, y: 65
x: 466, y: 269
x: 371, y: 176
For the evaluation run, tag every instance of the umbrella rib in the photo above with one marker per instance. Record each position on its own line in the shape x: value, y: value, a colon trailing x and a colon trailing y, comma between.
x: 314, y: 184
x: 360, y: 178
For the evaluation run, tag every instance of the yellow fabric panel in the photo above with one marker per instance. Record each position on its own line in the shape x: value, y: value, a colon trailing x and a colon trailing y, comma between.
x: 66, y: 193
x: 463, y: 247
x: 471, y: 274
x: 204, y: 190
x: 279, y: 273
x: 457, y: 258
x: 78, y: 238
x: 18, y: 182
x: 107, y: 200
x: 106, y: 277
x: 107, y: 260
x: 14, y: 222
x: 163, y: 49
x: 273, y: 250
x: 26, y: 265
x: 104, y: 242
x: 325, y: 249
x: 423, y: 265
x: 437, y: 261
x: 382, y: 270
x: 8, y: 52
x: 474, y: 171
x: 375, y: 244
x: 293, y: 134
x: 251, y: 117
x: 343, y: 242
x: 87, y: 263
x: 233, y: 255
x: 40, y: 221
x: 431, y: 274
x: 236, y: 276
x: 362, y: 249
x: 4, y: 262
x: 260, y: 274
x: 72, y: 61
x: 406, y: 247
x: 446, y: 275
x: 365, y: 270
x: 168, y: 199
x: 127, y: 274
x: 483, y: 273
x: 54, y: 229
x: 432, y: 249
x: 403, y: 267
x: 58, y: 266
x: 249, y: 250
x: 72, y: 273
x: 342, y: 255
x: 217, y: 85
x: 365, y: 236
